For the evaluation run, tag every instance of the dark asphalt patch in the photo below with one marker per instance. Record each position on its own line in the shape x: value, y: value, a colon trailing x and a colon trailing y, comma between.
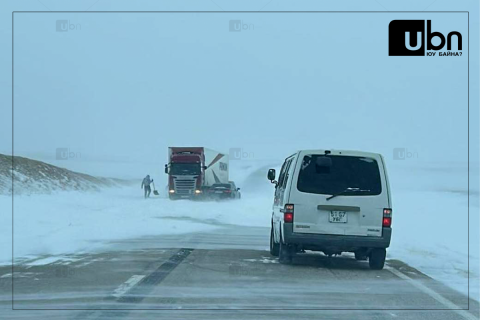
x: 141, y: 290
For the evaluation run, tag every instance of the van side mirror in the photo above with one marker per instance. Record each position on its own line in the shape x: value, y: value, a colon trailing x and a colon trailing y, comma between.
x: 166, y: 168
x: 205, y: 167
x: 271, y: 175
x: 238, y: 189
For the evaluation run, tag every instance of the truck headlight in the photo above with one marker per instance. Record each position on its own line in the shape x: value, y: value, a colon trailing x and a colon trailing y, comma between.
x: 171, y: 191
x: 198, y: 191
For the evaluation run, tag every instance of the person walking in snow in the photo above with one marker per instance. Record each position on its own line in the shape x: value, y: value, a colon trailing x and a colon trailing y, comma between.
x: 146, y: 185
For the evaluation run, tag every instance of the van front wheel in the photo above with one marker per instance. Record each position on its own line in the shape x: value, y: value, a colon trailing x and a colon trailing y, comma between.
x: 376, y: 260
x: 274, y: 247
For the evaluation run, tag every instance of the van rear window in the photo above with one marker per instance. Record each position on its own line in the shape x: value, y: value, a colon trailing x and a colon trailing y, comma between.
x: 330, y: 174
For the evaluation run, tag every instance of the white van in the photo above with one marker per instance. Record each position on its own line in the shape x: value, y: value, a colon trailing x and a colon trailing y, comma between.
x: 332, y: 201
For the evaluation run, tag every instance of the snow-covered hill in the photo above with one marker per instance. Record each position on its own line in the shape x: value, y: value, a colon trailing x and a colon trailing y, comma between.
x: 32, y: 176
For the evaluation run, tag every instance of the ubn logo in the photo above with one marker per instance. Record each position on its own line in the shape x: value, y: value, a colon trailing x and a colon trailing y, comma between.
x: 407, y: 38
x: 65, y: 25
x: 239, y: 25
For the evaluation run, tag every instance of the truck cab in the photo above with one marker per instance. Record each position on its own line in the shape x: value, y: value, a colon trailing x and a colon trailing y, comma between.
x: 185, y: 172
x: 193, y: 170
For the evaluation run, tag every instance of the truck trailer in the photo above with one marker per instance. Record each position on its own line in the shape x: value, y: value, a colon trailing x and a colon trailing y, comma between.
x: 193, y: 170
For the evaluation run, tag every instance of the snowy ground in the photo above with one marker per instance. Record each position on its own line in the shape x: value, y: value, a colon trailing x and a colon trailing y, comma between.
x: 69, y: 222
x: 430, y: 224
x: 433, y: 237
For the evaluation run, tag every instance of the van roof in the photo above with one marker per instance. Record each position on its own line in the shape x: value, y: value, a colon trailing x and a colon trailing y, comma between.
x: 341, y: 152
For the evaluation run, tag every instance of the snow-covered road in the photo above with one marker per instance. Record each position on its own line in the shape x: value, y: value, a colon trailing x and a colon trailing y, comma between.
x: 69, y: 222
x: 430, y: 227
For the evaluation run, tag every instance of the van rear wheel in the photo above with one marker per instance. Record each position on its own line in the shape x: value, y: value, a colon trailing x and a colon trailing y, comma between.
x: 274, y: 247
x: 376, y: 260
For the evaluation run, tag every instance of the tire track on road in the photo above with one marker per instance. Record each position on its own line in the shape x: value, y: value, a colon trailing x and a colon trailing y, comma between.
x: 138, y: 292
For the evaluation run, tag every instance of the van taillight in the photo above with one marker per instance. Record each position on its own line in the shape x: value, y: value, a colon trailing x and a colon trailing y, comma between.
x: 288, y: 213
x: 387, y: 217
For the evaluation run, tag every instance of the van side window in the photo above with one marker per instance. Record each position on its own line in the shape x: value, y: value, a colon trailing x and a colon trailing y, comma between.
x: 285, y: 179
x: 282, y: 173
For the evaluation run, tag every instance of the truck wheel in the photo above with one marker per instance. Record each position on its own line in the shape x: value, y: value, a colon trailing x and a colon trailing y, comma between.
x: 274, y: 247
x: 377, y: 258
x: 285, y: 253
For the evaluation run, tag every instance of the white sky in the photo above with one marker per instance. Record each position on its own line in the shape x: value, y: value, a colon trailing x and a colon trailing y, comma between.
x: 123, y: 87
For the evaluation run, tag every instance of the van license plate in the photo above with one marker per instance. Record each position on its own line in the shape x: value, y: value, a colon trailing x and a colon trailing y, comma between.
x: 338, y: 217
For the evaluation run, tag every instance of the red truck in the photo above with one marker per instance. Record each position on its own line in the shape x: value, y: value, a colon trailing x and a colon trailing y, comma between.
x: 193, y: 170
